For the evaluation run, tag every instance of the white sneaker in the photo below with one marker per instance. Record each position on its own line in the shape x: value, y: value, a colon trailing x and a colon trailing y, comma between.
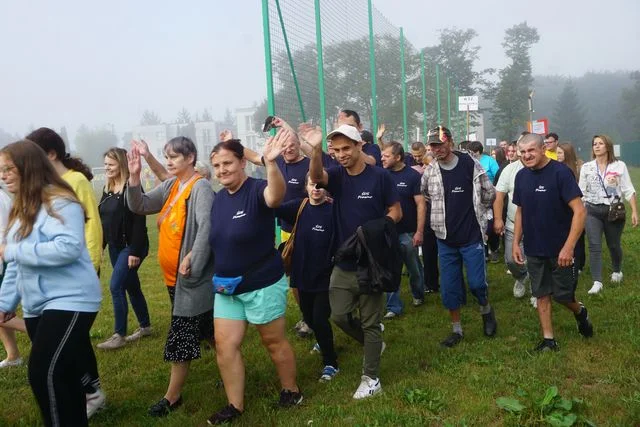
x: 114, y: 342
x: 390, y: 315
x: 381, y: 327
x: 139, y: 333
x: 304, y: 330
x: 95, y: 402
x: 595, y: 289
x: 6, y: 363
x: 519, y: 287
x: 534, y: 302
x: 367, y: 388
x: 616, y: 277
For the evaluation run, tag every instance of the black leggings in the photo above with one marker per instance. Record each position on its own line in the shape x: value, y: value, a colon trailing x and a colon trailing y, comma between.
x: 430, y: 261
x: 316, y: 312
x: 61, y: 354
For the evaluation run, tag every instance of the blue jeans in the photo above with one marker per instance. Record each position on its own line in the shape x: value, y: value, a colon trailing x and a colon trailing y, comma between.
x: 126, y: 281
x: 411, y: 259
x: 451, y: 285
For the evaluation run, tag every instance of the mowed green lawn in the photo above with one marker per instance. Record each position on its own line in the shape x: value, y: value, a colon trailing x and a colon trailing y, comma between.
x: 423, y: 384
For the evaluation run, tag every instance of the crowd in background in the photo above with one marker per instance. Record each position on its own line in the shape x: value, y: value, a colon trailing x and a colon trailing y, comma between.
x: 351, y: 218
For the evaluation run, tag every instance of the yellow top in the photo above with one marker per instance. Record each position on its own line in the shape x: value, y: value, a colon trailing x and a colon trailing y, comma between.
x: 93, y: 226
x: 551, y: 154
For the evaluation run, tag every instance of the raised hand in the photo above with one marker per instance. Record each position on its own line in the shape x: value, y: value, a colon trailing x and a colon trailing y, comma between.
x: 142, y: 146
x: 226, y: 135
x: 381, y: 130
x: 275, y: 145
x: 312, y: 135
x: 134, y: 161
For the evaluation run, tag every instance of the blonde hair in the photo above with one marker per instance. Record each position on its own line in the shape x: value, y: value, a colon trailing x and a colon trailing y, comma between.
x: 120, y: 156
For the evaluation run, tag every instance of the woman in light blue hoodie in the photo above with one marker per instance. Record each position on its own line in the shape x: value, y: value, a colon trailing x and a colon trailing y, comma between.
x: 50, y: 272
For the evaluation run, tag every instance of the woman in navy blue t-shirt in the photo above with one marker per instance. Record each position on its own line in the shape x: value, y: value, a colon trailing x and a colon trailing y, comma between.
x: 248, y: 270
x: 311, y: 266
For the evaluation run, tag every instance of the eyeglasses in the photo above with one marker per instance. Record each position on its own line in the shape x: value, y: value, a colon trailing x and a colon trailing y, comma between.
x: 6, y: 169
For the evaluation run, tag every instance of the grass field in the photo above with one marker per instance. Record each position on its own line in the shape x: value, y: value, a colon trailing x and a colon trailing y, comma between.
x: 423, y: 384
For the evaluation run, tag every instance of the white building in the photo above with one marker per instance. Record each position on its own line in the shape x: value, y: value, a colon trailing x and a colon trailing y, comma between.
x: 247, y: 129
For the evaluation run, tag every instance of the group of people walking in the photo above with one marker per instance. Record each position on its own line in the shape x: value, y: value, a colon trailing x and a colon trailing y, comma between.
x: 354, y: 215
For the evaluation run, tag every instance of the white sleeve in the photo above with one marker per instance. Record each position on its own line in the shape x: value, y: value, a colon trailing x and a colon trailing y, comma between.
x: 625, y: 183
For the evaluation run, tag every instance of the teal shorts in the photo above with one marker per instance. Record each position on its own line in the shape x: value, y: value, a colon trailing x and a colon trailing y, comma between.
x: 256, y: 307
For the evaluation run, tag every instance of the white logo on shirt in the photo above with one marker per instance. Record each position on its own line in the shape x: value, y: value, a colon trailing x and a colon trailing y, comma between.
x: 239, y: 214
x: 365, y: 195
x: 294, y: 181
x: 318, y: 227
x: 457, y: 190
x: 402, y: 184
x: 541, y: 189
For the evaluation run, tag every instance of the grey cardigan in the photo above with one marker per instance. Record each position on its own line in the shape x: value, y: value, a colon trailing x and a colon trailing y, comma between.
x: 194, y: 294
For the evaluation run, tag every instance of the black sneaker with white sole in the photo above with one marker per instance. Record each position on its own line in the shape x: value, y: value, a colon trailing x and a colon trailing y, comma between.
x: 547, y: 345
x: 225, y: 415
x: 452, y: 340
x: 290, y: 398
x: 584, y: 323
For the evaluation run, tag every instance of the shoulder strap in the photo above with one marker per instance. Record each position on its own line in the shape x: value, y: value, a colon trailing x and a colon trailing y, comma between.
x: 295, y: 224
x: 176, y: 197
x: 602, y: 182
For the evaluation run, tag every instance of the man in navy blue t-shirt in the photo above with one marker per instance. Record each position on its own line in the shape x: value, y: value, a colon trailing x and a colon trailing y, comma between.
x: 411, y: 226
x: 370, y: 151
x: 551, y: 215
x: 461, y: 197
x: 361, y: 193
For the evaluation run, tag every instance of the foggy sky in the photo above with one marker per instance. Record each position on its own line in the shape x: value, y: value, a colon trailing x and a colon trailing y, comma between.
x: 69, y: 62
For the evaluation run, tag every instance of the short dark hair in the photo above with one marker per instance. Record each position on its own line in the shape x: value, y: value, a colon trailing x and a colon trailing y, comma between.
x: 182, y: 145
x: 552, y: 135
x: 396, y: 149
x: 366, y: 136
x: 417, y: 146
x: 351, y: 113
x: 476, y: 147
x: 233, y: 145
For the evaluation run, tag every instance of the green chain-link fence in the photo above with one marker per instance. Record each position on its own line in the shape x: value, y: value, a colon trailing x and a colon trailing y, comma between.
x: 327, y: 55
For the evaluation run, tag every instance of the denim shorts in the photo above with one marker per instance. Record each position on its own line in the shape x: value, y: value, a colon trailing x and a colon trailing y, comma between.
x: 256, y: 307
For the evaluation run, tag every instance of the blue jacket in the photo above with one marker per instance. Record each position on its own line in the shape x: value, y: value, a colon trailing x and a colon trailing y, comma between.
x: 50, y: 269
x: 490, y: 165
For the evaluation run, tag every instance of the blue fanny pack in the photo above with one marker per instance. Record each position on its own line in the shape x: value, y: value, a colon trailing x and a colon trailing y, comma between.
x: 226, y: 285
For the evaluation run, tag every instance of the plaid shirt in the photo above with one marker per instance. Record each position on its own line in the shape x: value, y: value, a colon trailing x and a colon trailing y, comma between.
x: 483, y: 196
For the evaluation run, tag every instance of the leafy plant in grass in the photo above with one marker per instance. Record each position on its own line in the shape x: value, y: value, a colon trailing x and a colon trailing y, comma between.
x: 552, y: 409
x: 432, y: 400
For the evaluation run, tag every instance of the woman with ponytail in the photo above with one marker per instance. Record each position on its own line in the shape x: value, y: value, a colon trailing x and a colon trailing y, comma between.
x: 77, y: 175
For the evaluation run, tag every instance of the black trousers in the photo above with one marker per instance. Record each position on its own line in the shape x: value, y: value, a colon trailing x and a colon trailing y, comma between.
x: 316, y: 312
x: 430, y: 261
x: 60, y: 355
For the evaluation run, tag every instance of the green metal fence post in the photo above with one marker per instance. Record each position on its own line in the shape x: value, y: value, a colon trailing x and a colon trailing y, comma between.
x: 449, y: 102
x: 424, y: 95
x: 405, y: 123
x: 438, y: 94
x: 323, y: 111
x: 271, y: 105
x: 293, y: 70
x: 458, y: 113
x: 372, y: 72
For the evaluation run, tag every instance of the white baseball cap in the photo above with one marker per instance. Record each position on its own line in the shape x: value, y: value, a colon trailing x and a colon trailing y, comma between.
x: 346, y: 130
